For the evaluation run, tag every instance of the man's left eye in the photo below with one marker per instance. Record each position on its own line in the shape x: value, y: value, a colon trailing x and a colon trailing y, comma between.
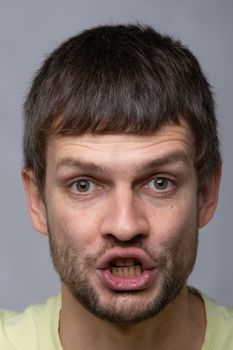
x: 159, y: 184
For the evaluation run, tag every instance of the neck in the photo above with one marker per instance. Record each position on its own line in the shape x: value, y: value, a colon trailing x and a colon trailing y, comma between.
x: 181, y: 325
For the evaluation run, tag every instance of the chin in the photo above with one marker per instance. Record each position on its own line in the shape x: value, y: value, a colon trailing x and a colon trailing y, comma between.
x: 124, y: 308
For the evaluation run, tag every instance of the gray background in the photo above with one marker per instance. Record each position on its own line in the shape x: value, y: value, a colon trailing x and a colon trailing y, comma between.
x: 31, y: 29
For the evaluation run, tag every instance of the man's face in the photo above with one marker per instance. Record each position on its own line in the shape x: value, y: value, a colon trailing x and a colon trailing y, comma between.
x: 122, y: 216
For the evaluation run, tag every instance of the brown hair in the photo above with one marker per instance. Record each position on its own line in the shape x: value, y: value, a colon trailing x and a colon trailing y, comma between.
x: 119, y: 79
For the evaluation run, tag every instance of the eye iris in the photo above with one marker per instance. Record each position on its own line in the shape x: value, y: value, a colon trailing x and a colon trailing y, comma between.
x: 83, y: 186
x: 161, y: 184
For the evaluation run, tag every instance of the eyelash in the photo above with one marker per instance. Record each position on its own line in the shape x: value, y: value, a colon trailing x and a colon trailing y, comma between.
x: 84, y: 180
x: 168, y: 182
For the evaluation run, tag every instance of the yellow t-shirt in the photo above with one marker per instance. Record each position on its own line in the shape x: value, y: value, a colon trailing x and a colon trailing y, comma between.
x: 34, y: 329
x: 219, y: 327
x: 37, y: 327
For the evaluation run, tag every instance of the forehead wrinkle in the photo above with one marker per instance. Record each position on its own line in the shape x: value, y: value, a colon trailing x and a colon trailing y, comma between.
x: 145, y: 166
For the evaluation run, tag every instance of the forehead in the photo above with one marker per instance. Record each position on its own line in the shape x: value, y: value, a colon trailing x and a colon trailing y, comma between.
x: 122, y: 148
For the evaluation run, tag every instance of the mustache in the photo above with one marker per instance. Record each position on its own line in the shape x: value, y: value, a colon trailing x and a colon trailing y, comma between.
x: 74, y: 254
x: 135, y: 242
x: 113, y: 242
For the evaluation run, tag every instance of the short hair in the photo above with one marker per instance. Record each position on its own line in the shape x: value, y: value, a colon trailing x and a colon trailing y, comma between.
x: 118, y: 79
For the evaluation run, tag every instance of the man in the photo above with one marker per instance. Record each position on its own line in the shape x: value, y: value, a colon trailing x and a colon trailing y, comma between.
x: 121, y: 168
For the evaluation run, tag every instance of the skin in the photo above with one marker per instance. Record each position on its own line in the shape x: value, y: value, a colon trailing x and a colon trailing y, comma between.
x: 123, y: 206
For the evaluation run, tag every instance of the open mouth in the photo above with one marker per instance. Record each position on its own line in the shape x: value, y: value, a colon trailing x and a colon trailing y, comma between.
x: 126, y: 270
x: 126, y: 267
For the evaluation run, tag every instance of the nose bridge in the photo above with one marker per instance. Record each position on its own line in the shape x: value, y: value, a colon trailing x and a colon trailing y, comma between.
x: 125, y: 215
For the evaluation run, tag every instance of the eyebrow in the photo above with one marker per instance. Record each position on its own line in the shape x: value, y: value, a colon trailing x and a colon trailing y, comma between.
x: 81, y: 164
x: 171, y: 158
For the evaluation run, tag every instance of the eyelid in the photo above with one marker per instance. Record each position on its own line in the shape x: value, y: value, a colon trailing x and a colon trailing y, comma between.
x: 160, y: 176
x: 172, y: 185
x: 87, y: 179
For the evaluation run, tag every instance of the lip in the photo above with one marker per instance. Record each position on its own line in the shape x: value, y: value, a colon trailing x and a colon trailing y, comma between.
x: 127, y: 284
x: 124, y: 253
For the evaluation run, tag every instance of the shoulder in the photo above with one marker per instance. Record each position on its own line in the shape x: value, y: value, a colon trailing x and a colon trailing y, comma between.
x: 31, y: 328
x: 219, y: 329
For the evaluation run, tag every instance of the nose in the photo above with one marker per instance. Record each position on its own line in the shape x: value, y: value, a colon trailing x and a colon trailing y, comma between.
x: 125, y: 216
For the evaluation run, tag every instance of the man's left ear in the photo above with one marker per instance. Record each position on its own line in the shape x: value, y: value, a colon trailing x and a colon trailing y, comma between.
x: 208, y: 197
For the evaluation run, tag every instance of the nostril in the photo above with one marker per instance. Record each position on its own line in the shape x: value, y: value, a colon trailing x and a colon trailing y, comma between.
x: 124, y: 241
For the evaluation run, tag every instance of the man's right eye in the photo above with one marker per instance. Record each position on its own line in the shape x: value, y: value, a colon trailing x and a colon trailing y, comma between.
x: 83, y: 186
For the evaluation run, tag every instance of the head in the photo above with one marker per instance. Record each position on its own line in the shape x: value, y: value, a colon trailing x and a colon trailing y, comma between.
x: 114, y: 80
x: 104, y: 92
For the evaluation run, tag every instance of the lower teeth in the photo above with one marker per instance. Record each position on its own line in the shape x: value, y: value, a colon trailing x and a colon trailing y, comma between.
x: 127, y: 271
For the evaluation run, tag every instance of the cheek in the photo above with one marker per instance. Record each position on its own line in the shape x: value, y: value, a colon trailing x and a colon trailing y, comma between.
x: 173, y: 221
x: 71, y: 226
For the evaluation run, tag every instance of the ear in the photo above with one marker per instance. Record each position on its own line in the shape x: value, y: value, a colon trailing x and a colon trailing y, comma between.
x: 208, y: 197
x: 36, y: 206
